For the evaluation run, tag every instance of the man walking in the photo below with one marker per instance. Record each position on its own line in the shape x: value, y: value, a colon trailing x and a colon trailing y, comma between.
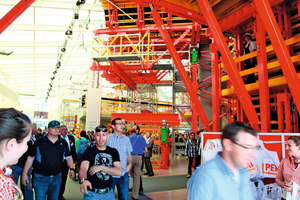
x: 99, y: 163
x: 122, y: 143
x: 139, y: 147
x: 225, y: 176
x: 148, y: 155
x: 48, y: 155
x: 71, y: 145
x: 191, y: 152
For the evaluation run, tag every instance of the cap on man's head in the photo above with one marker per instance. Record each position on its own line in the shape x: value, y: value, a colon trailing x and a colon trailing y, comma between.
x: 53, y: 124
x: 247, y: 34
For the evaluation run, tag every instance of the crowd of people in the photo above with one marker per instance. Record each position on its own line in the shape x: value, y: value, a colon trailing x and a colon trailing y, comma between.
x: 43, y: 161
x: 107, y: 160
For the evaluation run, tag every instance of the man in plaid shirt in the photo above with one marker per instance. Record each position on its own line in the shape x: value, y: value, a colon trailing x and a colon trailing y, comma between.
x: 191, y: 152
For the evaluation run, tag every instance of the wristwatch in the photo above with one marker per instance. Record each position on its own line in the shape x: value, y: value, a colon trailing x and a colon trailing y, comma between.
x: 82, y: 180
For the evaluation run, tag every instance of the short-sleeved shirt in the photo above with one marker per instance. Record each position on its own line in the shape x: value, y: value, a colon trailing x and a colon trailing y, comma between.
x: 216, y: 180
x: 123, y: 146
x: 49, y: 157
x: 288, y: 172
x: 138, y: 144
x: 107, y: 157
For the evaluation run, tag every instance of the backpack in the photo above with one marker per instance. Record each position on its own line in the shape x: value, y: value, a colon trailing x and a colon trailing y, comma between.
x: 82, y: 145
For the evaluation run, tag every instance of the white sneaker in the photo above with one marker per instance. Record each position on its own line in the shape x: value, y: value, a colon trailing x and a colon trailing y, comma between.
x: 188, y: 176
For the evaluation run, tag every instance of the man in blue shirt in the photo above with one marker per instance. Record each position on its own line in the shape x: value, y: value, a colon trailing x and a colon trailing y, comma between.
x: 122, y: 143
x: 225, y: 176
x: 139, y: 146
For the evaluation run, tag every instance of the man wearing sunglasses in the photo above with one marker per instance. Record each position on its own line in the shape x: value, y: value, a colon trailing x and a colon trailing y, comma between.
x: 225, y: 176
x: 99, y: 164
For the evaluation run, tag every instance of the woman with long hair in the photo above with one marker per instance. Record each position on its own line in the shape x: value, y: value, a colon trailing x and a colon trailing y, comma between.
x: 15, y: 131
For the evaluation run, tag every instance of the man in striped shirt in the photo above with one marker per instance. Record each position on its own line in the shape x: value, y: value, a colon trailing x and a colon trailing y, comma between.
x: 122, y: 143
x: 191, y: 152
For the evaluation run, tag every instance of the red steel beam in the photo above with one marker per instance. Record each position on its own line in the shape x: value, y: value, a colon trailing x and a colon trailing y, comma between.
x: 215, y: 88
x: 194, y: 70
x: 14, y: 13
x: 187, y: 82
x: 231, y: 21
x: 135, y: 77
x: 148, y: 118
x: 229, y: 64
x: 284, y: 58
x: 280, y: 112
x: 119, y: 63
x: 123, y: 76
x: 174, y: 9
x: 115, y: 31
x: 287, y: 113
x: 264, y: 98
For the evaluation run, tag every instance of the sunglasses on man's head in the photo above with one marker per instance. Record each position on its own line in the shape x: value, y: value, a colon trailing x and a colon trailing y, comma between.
x: 54, y: 123
x: 101, y: 129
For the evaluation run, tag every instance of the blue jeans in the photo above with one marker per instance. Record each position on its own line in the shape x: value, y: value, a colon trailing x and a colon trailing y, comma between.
x: 27, y: 190
x: 122, y: 186
x: 46, y: 185
x: 95, y: 196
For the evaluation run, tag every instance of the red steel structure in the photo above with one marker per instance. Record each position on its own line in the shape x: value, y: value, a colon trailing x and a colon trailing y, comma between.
x: 176, y: 27
x: 14, y: 13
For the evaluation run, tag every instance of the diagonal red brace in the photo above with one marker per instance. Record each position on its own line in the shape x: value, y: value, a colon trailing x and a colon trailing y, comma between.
x: 229, y: 63
x: 14, y: 13
x: 187, y: 82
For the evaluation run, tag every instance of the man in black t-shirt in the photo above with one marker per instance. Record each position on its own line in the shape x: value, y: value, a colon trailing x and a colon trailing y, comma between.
x: 47, y: 157
x: 99, y: 164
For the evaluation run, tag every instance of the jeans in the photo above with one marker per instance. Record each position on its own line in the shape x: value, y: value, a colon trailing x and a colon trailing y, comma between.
x: 122, y: 186
x: 46, y: 186
x: 27, y: 190
x: 95, y: 196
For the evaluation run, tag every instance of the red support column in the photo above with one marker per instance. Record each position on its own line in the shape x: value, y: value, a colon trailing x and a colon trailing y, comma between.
x: 194, y: 70
x: 229, y: 63
x: 14, y: 13
x: 287, y: 113
x: 190, y: 89
x: 264, y: 98
x: 280, y: 114
x: 284, y: 99
x: 215, y: 88
x: 284, y: 58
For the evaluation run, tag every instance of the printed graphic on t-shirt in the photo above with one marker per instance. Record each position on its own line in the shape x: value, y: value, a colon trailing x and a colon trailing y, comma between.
x: 106, y: 160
